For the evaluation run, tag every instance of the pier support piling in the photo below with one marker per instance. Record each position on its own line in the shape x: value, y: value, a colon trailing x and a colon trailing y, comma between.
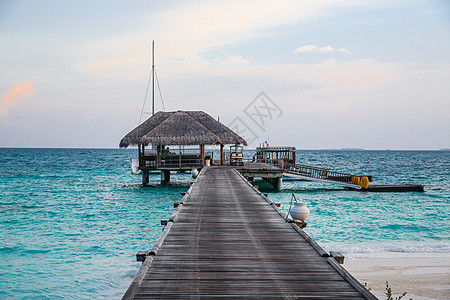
x: 145, y: 175
x: 165, y: 177
x: 279, y: 183
x: 276, y: 182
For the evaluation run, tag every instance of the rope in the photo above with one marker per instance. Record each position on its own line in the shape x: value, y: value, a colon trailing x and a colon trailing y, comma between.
x: 145, y: 97
x: 160, y: 94
x: 290, y: 206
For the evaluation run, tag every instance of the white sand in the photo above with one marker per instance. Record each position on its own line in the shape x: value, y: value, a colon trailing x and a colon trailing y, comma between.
x: 421, y: 275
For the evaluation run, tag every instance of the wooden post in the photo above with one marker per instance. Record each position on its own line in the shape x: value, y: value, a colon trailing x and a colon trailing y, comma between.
x: 165, y: 177
x: 142, y: 164
x: 280, y: 183
x: 277, y: 183
x: 337, y: 256
x: 139, y: 156
x: 141, y: 256
x: 158, y: 156
x: 202, y: 153
x: 300, y: 223
x: 222, y: 158
x: 145, y: 176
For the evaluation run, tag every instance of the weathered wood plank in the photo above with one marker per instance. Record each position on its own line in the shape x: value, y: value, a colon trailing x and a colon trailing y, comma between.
x: 228, y: 241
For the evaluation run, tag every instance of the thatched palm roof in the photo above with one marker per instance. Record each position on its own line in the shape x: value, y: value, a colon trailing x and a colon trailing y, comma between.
x: 227, y: 135
x: 181, y: 128
x: 134, y: 136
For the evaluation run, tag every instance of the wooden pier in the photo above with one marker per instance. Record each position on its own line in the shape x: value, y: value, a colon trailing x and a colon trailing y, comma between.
x: 284, y: 159
x: 227, y: 240
x: 270, y: 173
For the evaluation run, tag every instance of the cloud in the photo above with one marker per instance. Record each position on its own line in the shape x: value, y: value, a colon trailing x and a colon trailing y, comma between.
x: 326, y: 49
x: 188, y: 30
x: 343, y: 50
x: 310, y: 48
x: 225, y: 59
x: 237, y: 59
x: 23, y: 89
x: 209, y: 24
x: 14, y: 95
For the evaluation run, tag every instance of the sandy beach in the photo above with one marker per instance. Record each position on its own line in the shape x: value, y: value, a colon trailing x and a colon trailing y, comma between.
x: 421, y: 275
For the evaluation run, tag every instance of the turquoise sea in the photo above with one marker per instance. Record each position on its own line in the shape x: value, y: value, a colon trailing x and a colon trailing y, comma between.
x: 71, y: 220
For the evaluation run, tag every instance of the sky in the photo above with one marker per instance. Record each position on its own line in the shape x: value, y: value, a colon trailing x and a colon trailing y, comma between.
x: 314, y: 74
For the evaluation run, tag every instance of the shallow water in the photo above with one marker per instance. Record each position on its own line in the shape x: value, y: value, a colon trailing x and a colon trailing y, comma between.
x: 73, y: 219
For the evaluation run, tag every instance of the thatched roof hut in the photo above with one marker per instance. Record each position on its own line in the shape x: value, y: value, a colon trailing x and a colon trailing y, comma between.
x: 227, y: 136
x: 181, y: 128
x: 134, y: 136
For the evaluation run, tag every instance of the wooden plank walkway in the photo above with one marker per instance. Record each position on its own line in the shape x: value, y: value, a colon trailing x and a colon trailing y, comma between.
x: 228, y: 241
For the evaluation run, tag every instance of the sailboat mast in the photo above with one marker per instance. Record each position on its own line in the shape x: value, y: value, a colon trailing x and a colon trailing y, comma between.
x: 153, y: 78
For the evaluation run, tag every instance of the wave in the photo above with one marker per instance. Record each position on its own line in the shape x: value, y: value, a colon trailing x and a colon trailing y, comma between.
x: 22, y: 251
x: 9, y: 249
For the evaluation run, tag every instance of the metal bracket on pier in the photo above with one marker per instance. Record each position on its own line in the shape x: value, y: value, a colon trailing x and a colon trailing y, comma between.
x: 338, y: 256
x: 141, y: 255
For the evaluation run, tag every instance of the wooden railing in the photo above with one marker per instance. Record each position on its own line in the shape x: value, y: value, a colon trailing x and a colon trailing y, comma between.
x: 314, y: 173
x: 320, y: 173
x: 172, y: 161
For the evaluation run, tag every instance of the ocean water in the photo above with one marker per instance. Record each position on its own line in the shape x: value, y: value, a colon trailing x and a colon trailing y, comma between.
x: 350, y: 221
x: 72, y: 220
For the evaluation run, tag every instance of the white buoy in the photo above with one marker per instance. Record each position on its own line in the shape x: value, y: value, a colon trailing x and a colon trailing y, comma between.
x: 135, y: 166
x: 194, y: 173
x: 299, y: 211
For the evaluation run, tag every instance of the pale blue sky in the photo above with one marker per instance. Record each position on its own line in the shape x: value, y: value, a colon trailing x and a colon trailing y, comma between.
x: 369, y: 74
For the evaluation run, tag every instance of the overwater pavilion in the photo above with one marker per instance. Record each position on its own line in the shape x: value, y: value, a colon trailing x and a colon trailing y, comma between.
x: 177, y: 142
x: 279, y: 156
